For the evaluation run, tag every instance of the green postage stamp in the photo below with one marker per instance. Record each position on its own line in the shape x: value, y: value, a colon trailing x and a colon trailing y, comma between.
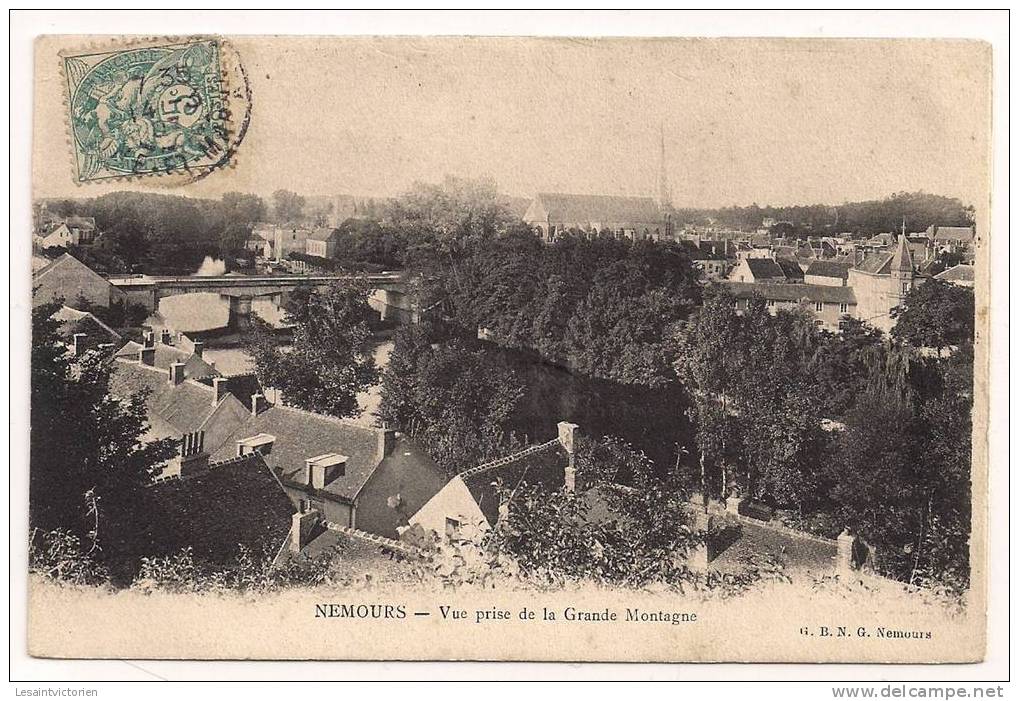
x: 171, y: 108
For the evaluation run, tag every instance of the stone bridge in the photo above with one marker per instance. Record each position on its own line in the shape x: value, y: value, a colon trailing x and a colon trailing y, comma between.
x: 390, y: 296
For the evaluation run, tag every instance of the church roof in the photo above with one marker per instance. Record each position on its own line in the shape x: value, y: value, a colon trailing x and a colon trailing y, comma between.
x: 584, y: 209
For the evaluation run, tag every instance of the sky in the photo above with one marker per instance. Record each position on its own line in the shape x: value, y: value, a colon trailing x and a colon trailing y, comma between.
x: 765, y: 121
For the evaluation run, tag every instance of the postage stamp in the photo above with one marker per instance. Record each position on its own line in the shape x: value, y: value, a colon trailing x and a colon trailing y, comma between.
x: 152, y: 110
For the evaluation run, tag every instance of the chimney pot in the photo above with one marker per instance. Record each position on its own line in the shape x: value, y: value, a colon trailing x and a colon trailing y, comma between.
x: 567, y: 438
x: 387, y: 439
x: 176, y: 373
x: 257, y: 403
x: 193, y: 457
x: 219, y: 389
x: 150, y: 340
x: 303, y: 526
x: 199, y: 348
x: 165, y: 337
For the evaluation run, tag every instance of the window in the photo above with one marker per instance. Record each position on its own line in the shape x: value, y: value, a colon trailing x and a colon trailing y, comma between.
x: 818, y: 322
x: 905, y: 287
x: 770, y: 303
x: 818, y: 306
x: 735, y: 304
x: 452, y: 528
x: 843, y: 308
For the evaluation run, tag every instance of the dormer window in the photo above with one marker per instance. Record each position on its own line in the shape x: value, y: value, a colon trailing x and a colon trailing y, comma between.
x: 260, y: 443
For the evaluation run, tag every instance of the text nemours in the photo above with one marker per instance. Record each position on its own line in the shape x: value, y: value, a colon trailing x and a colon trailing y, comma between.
x: 494, y: 614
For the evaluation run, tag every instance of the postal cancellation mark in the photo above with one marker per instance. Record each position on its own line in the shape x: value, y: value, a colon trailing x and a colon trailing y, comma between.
x: 145, y: 110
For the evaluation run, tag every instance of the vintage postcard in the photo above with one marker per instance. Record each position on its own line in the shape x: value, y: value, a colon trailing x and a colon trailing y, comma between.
x: 545, y: 349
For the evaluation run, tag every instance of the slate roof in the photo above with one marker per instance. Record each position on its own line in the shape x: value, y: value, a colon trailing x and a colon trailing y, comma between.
x: 829, y: 268
x: 791, y: 270
x: 303, y: 434
x: 63, y: 261
x: 765, y: 268
x: 76, y: 321
x: 194, y: 366
x: 793, y: 292
x: 957, y: 273
x: 777, y: 270
x: 952, y: 233
x: 174, y: 410
x: 215, y: 512
x: 568, y: 208
x: 540, y: 465
x: 877, y: 264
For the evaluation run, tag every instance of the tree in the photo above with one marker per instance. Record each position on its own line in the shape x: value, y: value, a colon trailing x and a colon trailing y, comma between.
x: 287, y: 206
x: 455, y: 399
x: 935, y: 314
x: 89, y: 464
x: 328, y: 362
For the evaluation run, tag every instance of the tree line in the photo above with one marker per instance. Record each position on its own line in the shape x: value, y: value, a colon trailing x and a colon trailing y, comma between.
x: 918, y: 210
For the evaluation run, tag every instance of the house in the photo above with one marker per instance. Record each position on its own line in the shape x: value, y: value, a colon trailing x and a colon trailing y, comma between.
x: 217, y: 509
x: 66, y: 278
x: 72, y: 231
x: 712, y: 258
x: 827, y: 272
x: 283, y: 239
x: 470, y: 503
x: 882, y: 240
x: 952, y: 238
x: 354, y: 476
x: 322, y: 242
x: 177, y: 406
x: 961, y: 275
x: 881, y: 283
x: 828, y: 304
x: 920, y: 247
x: 85, y: 331
x: 166, y: 351
x: 553, y: 214
x: 766, y: 270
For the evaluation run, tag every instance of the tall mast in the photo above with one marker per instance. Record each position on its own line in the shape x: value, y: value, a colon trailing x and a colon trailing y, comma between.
x: 664, y: 196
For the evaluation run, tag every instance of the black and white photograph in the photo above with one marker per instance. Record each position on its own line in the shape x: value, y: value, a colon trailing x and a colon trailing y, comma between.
x: 518, y: 348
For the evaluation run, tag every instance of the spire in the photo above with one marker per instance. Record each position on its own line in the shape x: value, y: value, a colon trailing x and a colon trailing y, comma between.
x: 664, y: 196
x: 902, y: 261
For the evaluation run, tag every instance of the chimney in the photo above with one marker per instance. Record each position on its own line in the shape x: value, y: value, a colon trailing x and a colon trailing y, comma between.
x: 302, y: 527
x: 165, y: 337
x: 199, y: 348
x: 193, y: 457
x: 257, y: 403
x: 844, y: 552
x: 147, y: 356
x: 219, y: 390
x: 78, y: 344
x: 567, y: 438
x: 323, y: 469
x: 386, y: 440
x: 150, y: 340
x: 176, y: 373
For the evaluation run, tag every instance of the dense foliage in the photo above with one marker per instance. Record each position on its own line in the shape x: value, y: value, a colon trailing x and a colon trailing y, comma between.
x: 164, y: 233
x: 919, y: 210
x: 88, y: 462
x: 452, y: 398
x: 875, y: 433
x: 936, y: 315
